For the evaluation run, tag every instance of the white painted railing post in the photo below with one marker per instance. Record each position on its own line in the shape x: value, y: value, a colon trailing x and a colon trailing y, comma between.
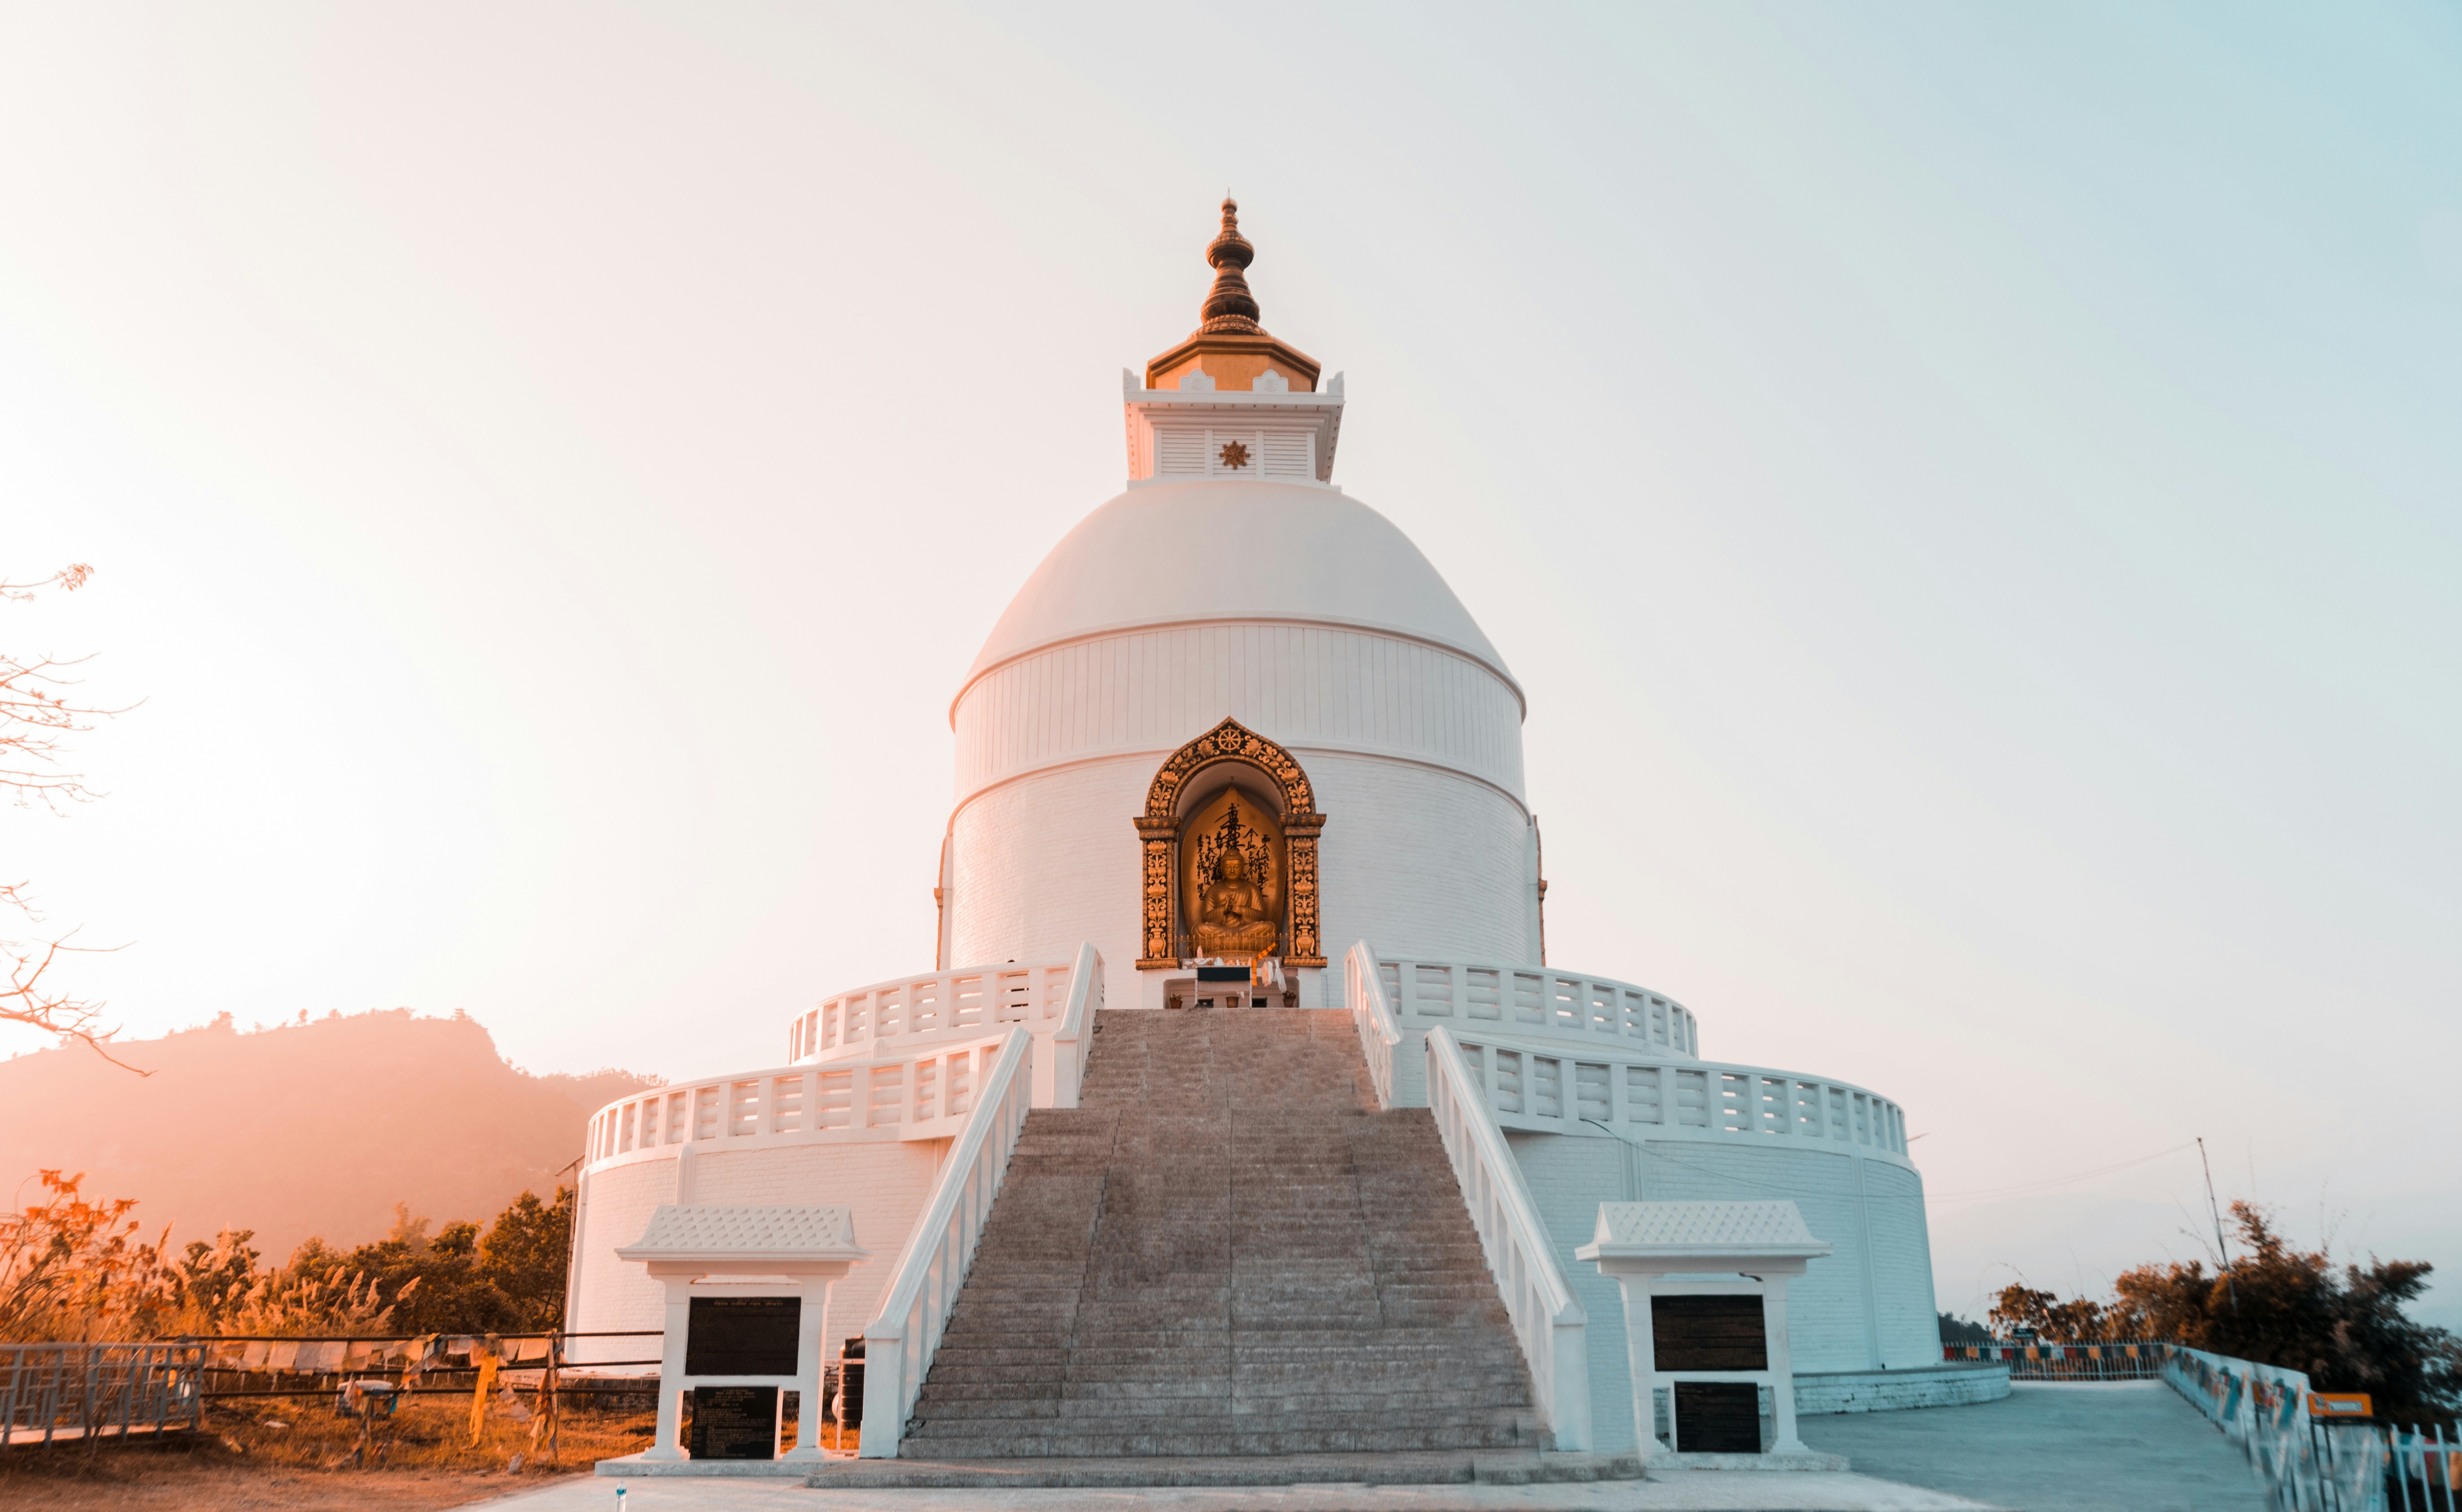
x: 1550, y: 1325
x: 1373, y: 1015
x: 924, y: 1288
x: 1072, y: 1039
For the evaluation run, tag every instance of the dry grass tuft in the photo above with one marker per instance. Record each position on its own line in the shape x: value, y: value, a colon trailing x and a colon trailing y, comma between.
x: 421, y: 1456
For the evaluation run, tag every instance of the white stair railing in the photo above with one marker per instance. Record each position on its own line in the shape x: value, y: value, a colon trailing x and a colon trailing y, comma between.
x: 900, y: 1340
x: 1548, y: 1322
x: 1378, y: 1034
x: 1072, y: 1038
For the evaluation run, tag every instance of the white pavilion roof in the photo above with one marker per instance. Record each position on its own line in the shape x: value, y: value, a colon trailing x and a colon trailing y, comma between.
x: 1734, y: 1229
x: 681, y: 1232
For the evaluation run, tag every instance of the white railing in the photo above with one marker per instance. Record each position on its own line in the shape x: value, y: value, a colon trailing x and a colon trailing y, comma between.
x: 900, y: 1340
x: 972, y: 1000
x: 1378, y: 1035
x: 1537, y: 1085
x: 1060, y: 1068
x: 1050, y: 997
x: 921, y: 1085
x: 1549, y: 1324
x: 1533, y: 1000
x: 924, y: 1094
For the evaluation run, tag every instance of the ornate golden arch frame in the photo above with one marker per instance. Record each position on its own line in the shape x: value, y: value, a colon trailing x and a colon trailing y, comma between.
x: 1158, y: 827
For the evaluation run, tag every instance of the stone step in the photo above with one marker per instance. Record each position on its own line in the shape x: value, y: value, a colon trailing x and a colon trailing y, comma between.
x: 1328, y: 1399
x: 1424, y: 1468
x: 1220, y: 1414
x: 1226, y: 1250
x: 1078, y: 1440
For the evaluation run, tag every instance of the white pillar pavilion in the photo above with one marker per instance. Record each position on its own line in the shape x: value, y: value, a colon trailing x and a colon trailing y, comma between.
x: 739, y: 1255
x: 1668, y: 1250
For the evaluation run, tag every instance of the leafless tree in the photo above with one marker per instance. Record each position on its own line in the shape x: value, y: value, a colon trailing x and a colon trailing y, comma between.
x: 40, y: 707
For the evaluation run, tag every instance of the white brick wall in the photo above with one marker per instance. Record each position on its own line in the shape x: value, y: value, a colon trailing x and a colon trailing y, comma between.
x: 607, y: 1293
x: 1420, y: 863
x: 1416, y: 860
x: 1040, y: 865
x: 1897, y: 1391
x: 1415, y: 753
x: 1834, y: 1322
x: 886, y: 1183
x: 1910, y: 1324
x: 1152, y: 690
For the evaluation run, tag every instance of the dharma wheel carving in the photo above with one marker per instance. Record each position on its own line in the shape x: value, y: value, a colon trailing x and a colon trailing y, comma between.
x: 1159, y: 828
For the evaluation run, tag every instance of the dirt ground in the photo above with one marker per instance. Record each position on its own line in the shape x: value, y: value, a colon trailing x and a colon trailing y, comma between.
x: 298, y: 1457
x: 138, y: 1480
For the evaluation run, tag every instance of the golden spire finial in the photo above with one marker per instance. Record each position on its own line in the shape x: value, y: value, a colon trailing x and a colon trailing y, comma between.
x: 1229, y: 306
x: 1229, y: 349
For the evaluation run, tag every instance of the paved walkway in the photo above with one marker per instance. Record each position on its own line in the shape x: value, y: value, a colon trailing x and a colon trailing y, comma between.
x: 2123, y: 1446
x: 1695, y: 1491
x: 2130, y: 1446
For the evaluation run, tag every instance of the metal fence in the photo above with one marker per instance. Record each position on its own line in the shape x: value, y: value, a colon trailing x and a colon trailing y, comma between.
x: 2141, y: 1360
x: 2425, y: 1468
x: 88, y: 1392
x: 265, y: 1365
x: 2307, y: 1463
x: 54, y: 1393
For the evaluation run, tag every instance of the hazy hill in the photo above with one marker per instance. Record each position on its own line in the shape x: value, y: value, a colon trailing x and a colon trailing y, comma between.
x: 314, y: 1127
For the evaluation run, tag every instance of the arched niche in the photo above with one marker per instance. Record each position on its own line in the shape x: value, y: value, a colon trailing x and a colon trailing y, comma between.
x: 1199, y: 782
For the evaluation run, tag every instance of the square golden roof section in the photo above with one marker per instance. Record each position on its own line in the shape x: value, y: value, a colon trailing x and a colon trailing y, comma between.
x: 1229, y: 347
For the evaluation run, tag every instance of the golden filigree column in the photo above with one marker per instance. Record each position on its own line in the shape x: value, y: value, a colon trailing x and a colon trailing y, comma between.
x: 1299, y: 832
x: 1161, y: 906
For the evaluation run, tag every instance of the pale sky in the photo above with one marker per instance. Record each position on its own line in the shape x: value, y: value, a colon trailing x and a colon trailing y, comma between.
x: 1973, y: 494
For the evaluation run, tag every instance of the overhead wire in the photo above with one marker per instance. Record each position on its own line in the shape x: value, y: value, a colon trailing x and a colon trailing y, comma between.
x: 2060, y: 1180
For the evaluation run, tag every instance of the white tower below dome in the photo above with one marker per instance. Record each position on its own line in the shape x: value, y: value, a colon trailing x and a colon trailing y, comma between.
x: 1234, y: 581
x: 1205, y: 432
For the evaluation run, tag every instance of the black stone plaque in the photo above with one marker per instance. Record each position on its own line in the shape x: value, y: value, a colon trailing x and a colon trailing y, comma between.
x: 743, y: 1335
x: 1716, y: 1417
x: 734, y: 1422
x: 1709, y: 1333
x: 850, y: 1392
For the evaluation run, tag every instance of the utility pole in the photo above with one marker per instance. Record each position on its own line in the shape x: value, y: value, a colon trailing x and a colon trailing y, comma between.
x: 2230, y: 1287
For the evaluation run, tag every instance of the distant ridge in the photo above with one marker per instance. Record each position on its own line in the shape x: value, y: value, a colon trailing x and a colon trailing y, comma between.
x: 311, y: 1129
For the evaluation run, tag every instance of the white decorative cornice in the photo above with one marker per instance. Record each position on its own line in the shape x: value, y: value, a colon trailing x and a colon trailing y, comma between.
x: 1178, y: 435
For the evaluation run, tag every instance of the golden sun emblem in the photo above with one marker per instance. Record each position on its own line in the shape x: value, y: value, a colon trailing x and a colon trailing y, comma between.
x: 1235, y: 454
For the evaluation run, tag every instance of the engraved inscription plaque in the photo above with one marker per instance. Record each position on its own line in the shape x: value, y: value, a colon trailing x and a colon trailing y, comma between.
x: 1717, y: 1418
x: 734, y: 1422
x: 1708, y: 1333
x: 742, y: 1335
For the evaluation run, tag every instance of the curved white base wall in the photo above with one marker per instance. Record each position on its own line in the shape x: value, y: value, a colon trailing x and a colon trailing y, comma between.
x: 1867, y: 1306
x: 885, y: 1181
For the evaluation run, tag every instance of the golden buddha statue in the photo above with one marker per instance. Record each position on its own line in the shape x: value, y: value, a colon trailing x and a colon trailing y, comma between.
x: 1233, y: 918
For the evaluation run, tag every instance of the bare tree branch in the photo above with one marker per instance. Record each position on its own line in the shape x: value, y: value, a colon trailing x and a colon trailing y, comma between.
x: 36, y: 713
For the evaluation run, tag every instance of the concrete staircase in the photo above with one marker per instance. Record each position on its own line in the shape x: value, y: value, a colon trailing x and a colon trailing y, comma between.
x: 1225, y: 1250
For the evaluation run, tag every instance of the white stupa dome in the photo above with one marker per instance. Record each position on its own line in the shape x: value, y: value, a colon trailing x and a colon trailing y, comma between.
x: 1249, y: 552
